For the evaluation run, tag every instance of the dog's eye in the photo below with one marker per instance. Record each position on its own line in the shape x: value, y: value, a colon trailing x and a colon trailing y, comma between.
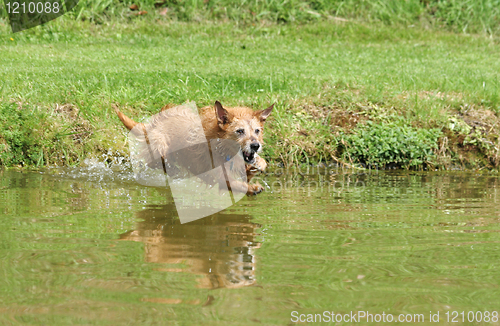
x: 257, y: 131
x: 240, y: 131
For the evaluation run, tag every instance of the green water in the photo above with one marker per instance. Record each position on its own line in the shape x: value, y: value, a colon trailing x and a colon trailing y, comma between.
x: 92, y: 247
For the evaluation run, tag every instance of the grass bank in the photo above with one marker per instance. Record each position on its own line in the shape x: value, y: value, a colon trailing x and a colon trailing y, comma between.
x: 479, y: 16
x: 346, y: 91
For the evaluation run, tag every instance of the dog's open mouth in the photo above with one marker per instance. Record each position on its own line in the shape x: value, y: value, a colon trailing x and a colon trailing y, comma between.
x: 249, y: 157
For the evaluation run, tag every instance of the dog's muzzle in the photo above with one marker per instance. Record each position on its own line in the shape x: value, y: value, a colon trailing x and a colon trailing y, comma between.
x: 249, y: 157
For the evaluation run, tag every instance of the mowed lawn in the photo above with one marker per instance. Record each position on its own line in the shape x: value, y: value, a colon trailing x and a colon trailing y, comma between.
x: 424, y: 76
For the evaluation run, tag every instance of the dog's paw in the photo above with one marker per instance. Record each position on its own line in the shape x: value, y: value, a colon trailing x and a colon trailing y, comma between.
x: 260, y: 164
x: 254, y: 189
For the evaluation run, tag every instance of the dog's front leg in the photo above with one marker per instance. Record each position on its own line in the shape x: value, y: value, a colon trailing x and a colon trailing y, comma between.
x: 239, y: 186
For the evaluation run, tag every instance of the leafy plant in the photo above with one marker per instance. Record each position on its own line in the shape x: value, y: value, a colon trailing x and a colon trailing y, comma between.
x: 381, y: 144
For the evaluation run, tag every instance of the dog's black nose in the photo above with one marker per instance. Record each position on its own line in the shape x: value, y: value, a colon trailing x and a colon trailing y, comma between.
x: 254, y: 146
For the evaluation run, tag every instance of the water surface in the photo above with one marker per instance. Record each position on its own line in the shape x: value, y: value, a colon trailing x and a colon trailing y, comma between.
x: 92, y: 247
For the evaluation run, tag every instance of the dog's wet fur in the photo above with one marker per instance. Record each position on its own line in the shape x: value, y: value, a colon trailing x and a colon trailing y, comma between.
x: 178, y: 127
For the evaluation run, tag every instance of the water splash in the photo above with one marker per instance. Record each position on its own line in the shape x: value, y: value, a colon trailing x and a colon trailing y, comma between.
x: 107, y: 168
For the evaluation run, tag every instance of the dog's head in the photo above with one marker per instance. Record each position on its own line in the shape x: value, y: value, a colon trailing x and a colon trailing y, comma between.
x: 245, y: 127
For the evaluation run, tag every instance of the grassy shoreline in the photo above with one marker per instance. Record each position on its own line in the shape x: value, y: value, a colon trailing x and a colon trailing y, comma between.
x: 347, y: 92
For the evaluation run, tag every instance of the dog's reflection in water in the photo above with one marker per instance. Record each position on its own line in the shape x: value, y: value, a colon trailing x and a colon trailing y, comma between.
x: 220, y: 248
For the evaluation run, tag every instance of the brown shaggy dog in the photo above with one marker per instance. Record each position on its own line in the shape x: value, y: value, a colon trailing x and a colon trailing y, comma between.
x: 177, y: 129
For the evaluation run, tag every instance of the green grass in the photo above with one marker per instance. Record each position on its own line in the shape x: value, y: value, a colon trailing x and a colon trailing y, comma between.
x: 319, y: 74
x: 458, y: 15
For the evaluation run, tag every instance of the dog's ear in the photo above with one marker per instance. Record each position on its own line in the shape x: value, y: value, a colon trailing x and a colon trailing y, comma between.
x: 262, y: 115
x: 221, y: 113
